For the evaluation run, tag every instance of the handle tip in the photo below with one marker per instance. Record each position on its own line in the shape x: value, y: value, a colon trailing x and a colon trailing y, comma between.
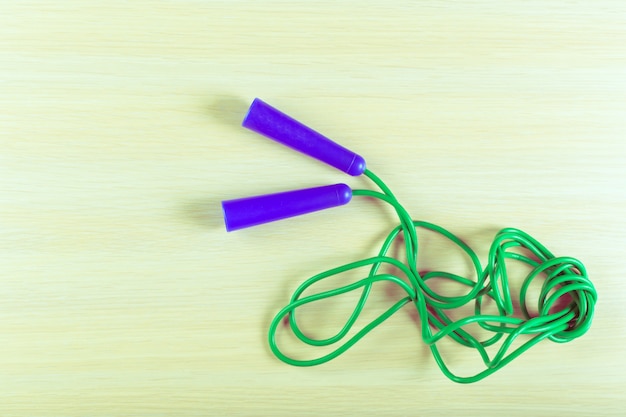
x: 357, y: 167
x: 344, y: 194
x: 247, y: 121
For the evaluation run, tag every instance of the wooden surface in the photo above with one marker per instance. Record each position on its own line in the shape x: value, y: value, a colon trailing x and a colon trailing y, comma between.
x: 121, y: 292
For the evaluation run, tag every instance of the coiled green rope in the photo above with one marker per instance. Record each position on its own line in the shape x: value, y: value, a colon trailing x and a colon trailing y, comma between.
x: 564, y: 276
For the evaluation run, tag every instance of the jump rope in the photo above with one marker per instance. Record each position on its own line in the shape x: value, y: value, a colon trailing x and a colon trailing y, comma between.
x: 565, y: 306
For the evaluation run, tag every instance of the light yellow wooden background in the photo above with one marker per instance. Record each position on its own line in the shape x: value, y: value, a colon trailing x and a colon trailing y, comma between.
x: 121, y: 292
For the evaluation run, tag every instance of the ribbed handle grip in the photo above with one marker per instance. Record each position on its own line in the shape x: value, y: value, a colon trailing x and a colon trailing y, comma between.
x: 268, y: 121
x: 252, y: 211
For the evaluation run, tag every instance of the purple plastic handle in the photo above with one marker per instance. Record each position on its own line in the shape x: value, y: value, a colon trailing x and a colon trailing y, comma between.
x: 252, y: 211
x: 276, y: 125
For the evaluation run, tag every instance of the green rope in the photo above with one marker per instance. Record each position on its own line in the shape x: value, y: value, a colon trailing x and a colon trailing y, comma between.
x: 563, y: 276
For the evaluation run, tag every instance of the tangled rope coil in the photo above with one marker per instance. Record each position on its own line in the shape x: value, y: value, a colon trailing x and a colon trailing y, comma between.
x: 564, y: 277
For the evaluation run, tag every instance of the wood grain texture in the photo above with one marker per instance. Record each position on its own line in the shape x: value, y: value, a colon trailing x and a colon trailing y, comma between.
x: 121, y: 293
